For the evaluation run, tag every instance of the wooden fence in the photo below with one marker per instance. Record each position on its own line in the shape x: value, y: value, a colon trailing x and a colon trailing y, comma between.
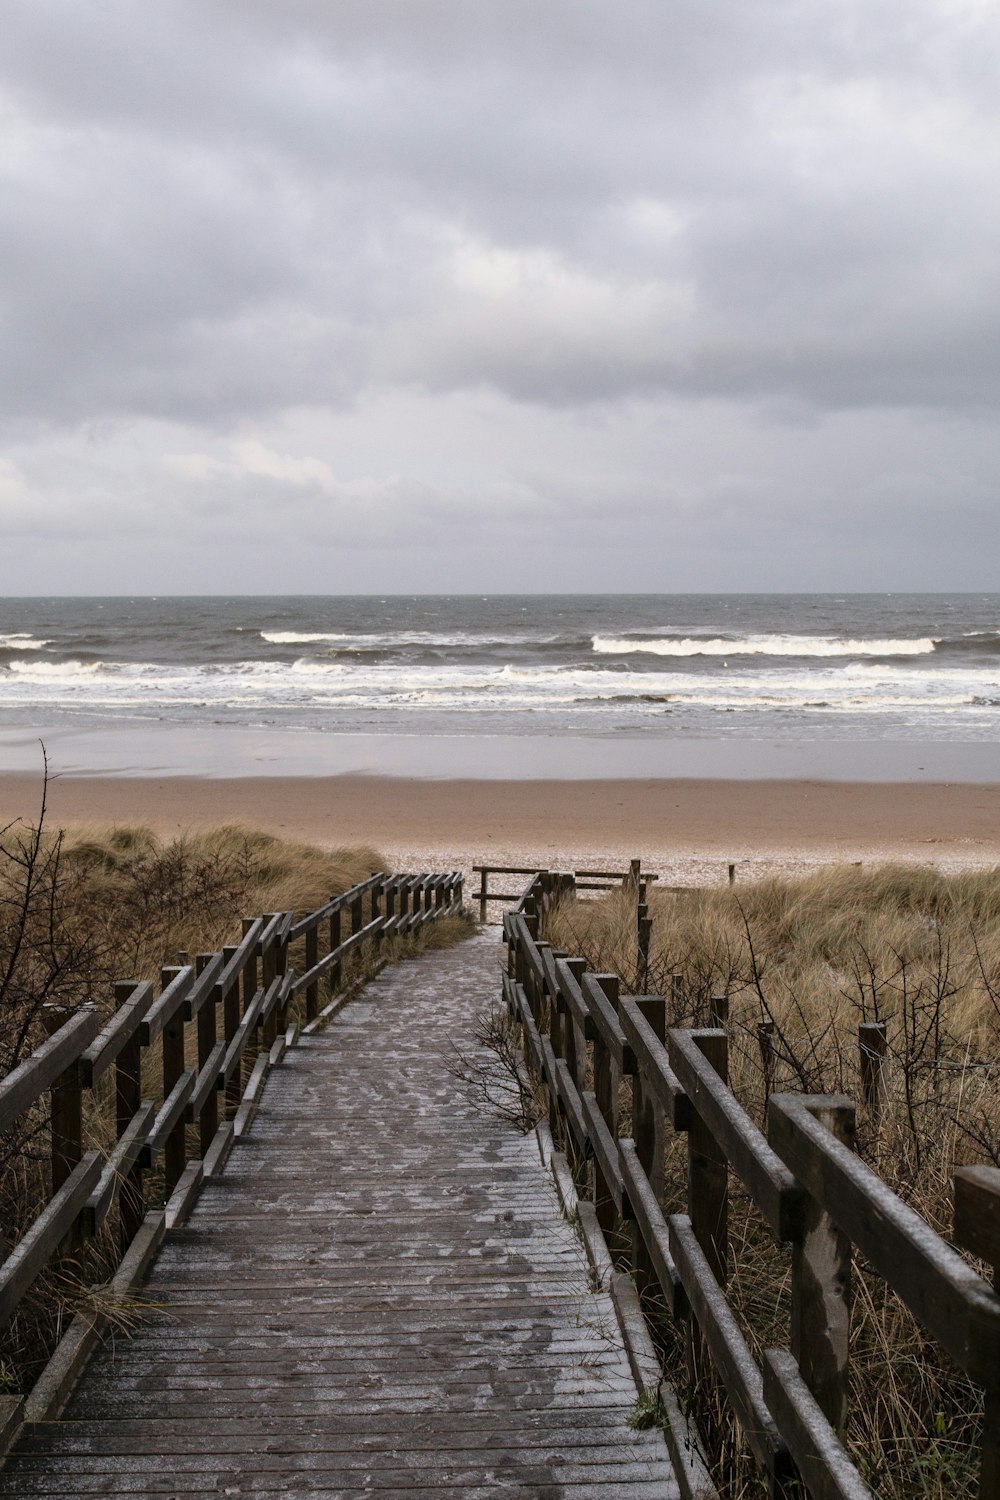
x: 584, y: 880
x: 219, y: 1024
x: 581, y: 1036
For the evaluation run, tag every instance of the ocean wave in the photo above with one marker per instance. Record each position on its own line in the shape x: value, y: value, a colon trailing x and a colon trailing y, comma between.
x: 758, y: 645
x: 302, y: 637
x: 21, y: 642
x: 53, y: 671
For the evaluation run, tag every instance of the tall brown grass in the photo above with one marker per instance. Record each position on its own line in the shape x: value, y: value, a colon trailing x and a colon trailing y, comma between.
x: 803, y: 962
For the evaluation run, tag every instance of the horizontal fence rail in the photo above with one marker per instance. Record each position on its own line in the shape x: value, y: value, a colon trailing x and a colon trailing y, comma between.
x: 217, y: 1026
x: 583, y: 880
x: 581, y: 1036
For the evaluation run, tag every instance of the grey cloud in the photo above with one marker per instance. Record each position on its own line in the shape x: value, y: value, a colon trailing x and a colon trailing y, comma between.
x: 251, y: 221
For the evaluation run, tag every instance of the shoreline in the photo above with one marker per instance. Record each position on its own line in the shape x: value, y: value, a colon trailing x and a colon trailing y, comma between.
x: 687, y: 828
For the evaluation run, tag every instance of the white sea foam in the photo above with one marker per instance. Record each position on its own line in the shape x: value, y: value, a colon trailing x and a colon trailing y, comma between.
x: 21, y: 642
x: 301, y: 638
x: 53, y: 671
x: 758, y: 645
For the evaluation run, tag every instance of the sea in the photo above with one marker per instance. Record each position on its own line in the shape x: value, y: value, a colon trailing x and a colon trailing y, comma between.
x: 662, y: 674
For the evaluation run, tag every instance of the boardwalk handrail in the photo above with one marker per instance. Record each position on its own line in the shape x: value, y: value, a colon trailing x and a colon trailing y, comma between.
x: 584, y: 880
x: 251, y: 995
x: 580, y: 1037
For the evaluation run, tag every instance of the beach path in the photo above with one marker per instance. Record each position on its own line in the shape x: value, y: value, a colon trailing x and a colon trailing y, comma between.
x: 377, y: 1296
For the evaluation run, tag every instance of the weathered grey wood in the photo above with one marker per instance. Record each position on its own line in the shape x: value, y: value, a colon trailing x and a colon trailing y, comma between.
x: 642, y: 1207
x: 175, y: 984
x: 32, y: 1078
x: 821, y: 1290
x: 132, y: 1002
x: 32, y: 1253
x: 873, y: 1046
x: 645, y: 1050
x: 769, y: 1182
x: 398, y: 1309
x: 977, y: 1229
x: 118, y: 1167
x: 65, y: 1108
x: 958, y: 1307
x: 730, y: 1355
x: 819, y: 1456
x: 708, y: 1168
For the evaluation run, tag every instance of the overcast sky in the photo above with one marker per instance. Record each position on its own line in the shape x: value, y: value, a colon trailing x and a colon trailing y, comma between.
x: 446, y: 295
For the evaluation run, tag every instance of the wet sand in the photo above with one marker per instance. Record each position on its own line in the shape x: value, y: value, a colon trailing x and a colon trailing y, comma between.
x: 689, y: 828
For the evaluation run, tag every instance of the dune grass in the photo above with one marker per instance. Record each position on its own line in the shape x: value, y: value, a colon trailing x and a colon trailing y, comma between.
x: 803, y: 962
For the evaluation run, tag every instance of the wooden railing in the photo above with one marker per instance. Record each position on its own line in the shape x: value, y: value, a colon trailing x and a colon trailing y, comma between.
x: 584, y: 880
x: 581, y: 1036
x: 219, y: 1024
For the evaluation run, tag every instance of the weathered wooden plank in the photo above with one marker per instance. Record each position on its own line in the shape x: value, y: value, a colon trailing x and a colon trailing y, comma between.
x: 956, y: 1306
x: 172, y: 1111
x: 604, y: 1017
x: 731, y: 1357
x: 819, y: 1455
x: 640, y: 1203
x: 771, y: 1186
x: 113, y: 1036
x: 424, y: 1329
x: 603, y: 1146
x: 646, y: 1054
x: 35, y: 1249
x: 168, y: 1003
x: 119, y: 1163
x: 36, y: 1075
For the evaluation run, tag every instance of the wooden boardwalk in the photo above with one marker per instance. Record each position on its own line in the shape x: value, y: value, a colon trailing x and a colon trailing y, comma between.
x: 377, y: 1296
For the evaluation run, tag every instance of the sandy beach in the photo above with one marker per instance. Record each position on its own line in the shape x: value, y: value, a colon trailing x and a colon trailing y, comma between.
x: 688, y: 829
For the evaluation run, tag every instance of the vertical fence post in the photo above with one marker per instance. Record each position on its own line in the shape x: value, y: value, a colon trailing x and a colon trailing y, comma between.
x: 66, y: 1106
x: 643, y: 930
x: 873, y: 1046
x: 175, y: 1146
x: 765, y: 1041
x: 606, y: 1080
x: 708, y: 1200
x: 708, y: 1171
x: 280, y: 970
x: 230, y: 1017
x: 128, y: 1092
x: 269, y: 970
x: 208, y: 1120
x: 821, y: 1285
x: 977, y: 1229
x: 337, y: 975
x: 648, y: 1133
x: 311, y: 959
x: 241, y: 1076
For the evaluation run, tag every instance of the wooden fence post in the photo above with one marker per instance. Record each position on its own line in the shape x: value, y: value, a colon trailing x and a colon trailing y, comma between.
x: 708, y: 1169
x: 648, y: 1134
x: 175, y: 1146
x: 311, y: 959
x: 128, y: 1097
x: 872, y: 1050
x: 241, y: 1077
x: 821, y: 1283
x: 977, y: 1229
x: 66, y: 1106
x: 606, y: 1080
x: 337, y: 973
x: 208, y: 1119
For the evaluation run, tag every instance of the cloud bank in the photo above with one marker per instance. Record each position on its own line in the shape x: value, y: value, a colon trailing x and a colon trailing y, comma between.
x: 499, y: 296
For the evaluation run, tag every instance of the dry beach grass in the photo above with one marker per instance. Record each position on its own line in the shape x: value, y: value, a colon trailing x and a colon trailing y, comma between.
x: 808, y: 960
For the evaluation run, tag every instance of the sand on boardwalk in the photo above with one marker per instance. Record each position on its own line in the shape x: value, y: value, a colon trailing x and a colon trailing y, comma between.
x: 689, y: 830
